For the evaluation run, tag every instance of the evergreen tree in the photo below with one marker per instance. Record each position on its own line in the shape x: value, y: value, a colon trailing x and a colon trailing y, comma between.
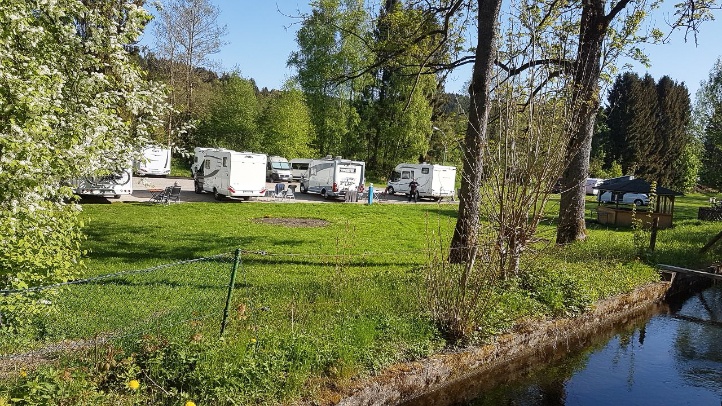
x: 712, y: 154
x: 648, y: 129
x: 673, y: 131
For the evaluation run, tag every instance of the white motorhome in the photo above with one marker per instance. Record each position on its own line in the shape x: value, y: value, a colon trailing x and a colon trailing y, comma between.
x: 333, y: 177
x: 227, y: 173
x: 278, y: 169
x: 434, y: 181
x: 198, y: 158
x: 155, y: 161
x: 299, y: 167
x: 113, y: 184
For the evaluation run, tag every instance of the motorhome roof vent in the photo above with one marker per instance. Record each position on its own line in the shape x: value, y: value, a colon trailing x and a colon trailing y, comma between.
x: 338, y: 157
x: 328, y: 157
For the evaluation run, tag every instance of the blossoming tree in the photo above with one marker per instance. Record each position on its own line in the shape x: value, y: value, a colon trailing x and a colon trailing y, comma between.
x: 72, y: 102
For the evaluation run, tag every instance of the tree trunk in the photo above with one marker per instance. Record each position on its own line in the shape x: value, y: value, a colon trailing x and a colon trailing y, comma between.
x: 466, y: 231
x: 585, y: 103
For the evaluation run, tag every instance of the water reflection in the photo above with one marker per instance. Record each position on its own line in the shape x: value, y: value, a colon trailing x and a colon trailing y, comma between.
x: 673, y: 357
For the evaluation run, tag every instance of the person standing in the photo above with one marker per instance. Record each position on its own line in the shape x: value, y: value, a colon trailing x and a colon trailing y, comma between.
x: 413, y: 192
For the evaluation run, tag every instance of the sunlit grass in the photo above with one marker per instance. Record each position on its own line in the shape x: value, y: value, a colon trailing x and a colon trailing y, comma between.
x: 312, y: 304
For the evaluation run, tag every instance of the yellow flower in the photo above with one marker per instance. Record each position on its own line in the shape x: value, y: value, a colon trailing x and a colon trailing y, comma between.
x: 253, y: 340
x: 134, y: 384
x: 23, y: 374
x: 190, y: 403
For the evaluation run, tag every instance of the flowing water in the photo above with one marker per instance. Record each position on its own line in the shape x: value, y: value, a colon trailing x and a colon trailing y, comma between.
x: 673, y: 356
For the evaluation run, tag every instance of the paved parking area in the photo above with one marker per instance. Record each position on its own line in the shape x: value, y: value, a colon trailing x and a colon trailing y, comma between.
x: 142, y: 184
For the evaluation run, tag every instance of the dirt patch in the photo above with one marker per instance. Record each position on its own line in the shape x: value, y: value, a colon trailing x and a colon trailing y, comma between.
x: 401, y: 384
x: 293, y: 221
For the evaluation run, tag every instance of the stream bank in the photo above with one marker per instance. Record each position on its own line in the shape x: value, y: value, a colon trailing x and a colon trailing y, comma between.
x: 403, y: 383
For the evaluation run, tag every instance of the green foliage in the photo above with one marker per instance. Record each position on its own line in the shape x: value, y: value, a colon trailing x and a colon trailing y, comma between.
x: 232, y: 121
x: 712, y: 156
x: 558, y: 291
x: 648, y: 130
x: 286, y: 125
x: 62, y: 117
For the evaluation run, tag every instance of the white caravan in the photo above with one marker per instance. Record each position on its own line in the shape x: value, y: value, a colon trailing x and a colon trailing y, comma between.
x: 227, y: 173
x: 434, y: 181
x: 278, y: 169
x: 299, y: 167
x: 155, y: 161
x: 333, y: 177
x: 198, y: 158
x: 112, y: 184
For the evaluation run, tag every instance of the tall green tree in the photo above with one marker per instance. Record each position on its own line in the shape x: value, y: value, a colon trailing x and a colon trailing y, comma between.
x: 72, y: 102
x: 712, y: 156
x: 286, y: 125
x: 330, y: 47
x: 674, y: 135
x: 232, y: 119
x: 706, y: 120
x: 649, y: 129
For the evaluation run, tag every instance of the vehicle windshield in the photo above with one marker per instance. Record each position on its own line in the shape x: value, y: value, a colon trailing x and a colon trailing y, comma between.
x: 395, y: 176
x: 281, y: 165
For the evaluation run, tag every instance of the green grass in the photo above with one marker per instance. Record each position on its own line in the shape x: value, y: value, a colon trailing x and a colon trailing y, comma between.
x: 323, y: 303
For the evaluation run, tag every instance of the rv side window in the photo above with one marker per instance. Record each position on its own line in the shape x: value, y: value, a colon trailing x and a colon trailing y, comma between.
x: 299, y: 166
x: 425, y: 171
x: 195, y: 159
x: 405, y: 175
x: 208, y: 164
x: 225, y: 161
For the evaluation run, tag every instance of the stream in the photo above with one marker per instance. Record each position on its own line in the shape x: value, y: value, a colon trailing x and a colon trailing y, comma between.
x: 671, y: 356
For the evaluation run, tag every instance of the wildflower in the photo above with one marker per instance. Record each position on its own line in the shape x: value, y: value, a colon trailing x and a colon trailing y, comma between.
x: 253, y: 340
x: 134, y: 384
x: 190, y: 403
x: 23, y: 374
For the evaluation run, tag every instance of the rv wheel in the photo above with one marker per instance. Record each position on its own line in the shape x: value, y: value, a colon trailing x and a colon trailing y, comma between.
x: 217, y: 195
x: 116, y: 197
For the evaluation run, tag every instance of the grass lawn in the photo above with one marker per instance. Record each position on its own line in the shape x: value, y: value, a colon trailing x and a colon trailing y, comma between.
x: 311, y: 305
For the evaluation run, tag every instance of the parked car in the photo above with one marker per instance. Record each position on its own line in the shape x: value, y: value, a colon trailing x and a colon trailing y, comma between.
x: 637, y: 199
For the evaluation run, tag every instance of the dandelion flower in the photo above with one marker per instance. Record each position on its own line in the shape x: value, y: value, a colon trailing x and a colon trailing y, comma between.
x: 253, y: 340
x: 23, y: 374
x: 190, y: 403
x: 134, y: 384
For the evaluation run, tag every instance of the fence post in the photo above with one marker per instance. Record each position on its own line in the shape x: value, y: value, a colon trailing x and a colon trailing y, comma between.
x: 236, y: 261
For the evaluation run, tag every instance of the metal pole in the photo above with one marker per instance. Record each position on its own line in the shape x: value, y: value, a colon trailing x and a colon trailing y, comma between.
x: 236, y: 261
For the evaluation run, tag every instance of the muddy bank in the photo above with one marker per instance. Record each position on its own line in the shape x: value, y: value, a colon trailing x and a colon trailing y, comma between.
x: 403, y: 383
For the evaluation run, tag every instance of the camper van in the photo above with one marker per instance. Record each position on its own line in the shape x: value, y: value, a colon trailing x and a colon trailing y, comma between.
x: 227, y: 173
x: 198, y: 158
x: 333, y: 177
x: 112, y: 184
x: 434, y: 181
x: 155, y: 161
x: 299, y: 167
x: 278, y: 169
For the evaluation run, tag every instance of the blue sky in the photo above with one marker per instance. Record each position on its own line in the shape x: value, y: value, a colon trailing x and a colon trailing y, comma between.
x: 261, y: 35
